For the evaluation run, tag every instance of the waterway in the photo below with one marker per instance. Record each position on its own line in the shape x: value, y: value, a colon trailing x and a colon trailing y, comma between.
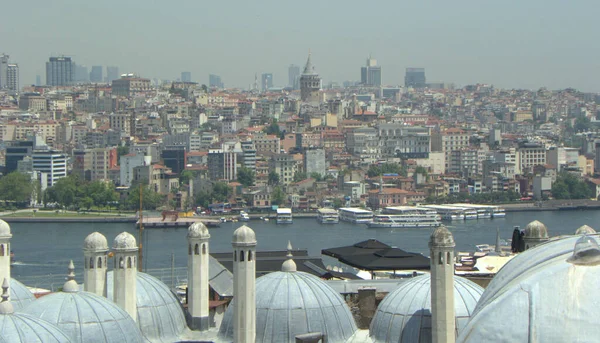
x: 43, y: 251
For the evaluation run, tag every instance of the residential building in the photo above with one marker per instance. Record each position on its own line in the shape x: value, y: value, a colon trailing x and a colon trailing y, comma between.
x: 60, y: 71
x: 449, y: 140
x: 249, y: 155
x: 3, y: 70
x: 314, y: 162
x: 266, y: 143
x: 398, y: 140
x: 12, y: 77
x: 130, y: 85
x: 530, y: 155
x: 222, y: 162
x: 128, y: 163
x: 160, y: 178
x: 285, y: 166
x: 120, y: 122
x: 32, y: 102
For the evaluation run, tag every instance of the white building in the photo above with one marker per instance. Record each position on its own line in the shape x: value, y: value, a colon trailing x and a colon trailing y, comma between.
x: 51, y: 162
x: 128, y: 162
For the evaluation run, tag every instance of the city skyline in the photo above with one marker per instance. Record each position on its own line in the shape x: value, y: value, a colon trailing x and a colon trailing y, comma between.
x: 461, y: 43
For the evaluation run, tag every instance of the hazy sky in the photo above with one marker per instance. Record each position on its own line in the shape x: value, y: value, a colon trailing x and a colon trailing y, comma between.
x: 511, y: 43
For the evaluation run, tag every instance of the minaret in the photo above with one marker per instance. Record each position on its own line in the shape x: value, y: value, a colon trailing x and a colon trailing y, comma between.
x: 244, y: 285
x: 198, y: 289
x: 443, y: 326
x: 125, y: 273
x: 95, y: 250
x: 5, y: 236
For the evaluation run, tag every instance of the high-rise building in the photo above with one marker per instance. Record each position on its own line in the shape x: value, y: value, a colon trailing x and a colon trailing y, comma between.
x: 96, y: 74
x: 38, y: 80
x: 267, y: 81
x: 370, y: 75
x: 186, y: 76
x: 60, y: 71
x: 310, y: 83
x: 294, y: 76
x: 112, y: 73
x: 214, y: 81
x: 3, y: 70
x: 81, y: 74
x: 415, y: 77
x: 12, y: 77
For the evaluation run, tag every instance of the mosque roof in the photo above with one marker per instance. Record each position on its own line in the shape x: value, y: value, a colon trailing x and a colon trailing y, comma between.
x: 294, y: 303
x: 20, y: 295
x: 536, y: 229
x: 244, y: 236
x: 21, y: 327
x: 86, y: 317
x: 4, y: 229
x: 95, y: 241
x: 159, y: 313
x: 198, y: 230
x: 404, y: 315
x: 544, y: 294
x: 585, y: 229
x: 125, y: 241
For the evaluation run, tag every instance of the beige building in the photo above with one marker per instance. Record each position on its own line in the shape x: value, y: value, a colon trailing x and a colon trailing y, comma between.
x: 285, y: 166
x: 120, y: 122
x: 129, y: 85
x: 266, y: 143
x: 448, y: 141
x: 32, y: 102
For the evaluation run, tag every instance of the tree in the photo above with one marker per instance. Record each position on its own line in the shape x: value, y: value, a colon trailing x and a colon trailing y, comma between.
x: 273, y: 129
x: 122, y: 150
x: 316, y: 176
x: 245, y: 176
x: 150, y: 199
x: 277, y: 196
x: 273, y: 178
x: 185, y: 176
x: 386, y: 168
x: 16, y: 187
x: 203, y: 199
x: 221, y: 191
x: 337, y: 203
x: 299, y: 176
x: 568, y: 186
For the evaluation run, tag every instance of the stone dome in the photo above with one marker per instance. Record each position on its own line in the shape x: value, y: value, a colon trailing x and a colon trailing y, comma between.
x: 404, y: 315
x: 244, y: 236
x: 125, y: 241
x: 540, y: 295
x: 4, y: 229
x: 290, y: 304
x: 86, y: 317
x: 160, y: 316
x: 536, y: 229
x: 95, y: 241
x: 441, y: 236
x: 198, y: 230
x: 585, y: 230
x: 20, y: 295
x: 21, y: 327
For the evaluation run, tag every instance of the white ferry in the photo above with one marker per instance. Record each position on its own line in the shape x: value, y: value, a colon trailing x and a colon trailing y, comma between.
x: 498, y: 212
x: 448, y: 212
x: 328, y: 216
x: 244, y: 217
x: 355, y: 215
x: 414, y: 210
x: 284, y: 215
x: 483, y: 211
x: 404, y: 221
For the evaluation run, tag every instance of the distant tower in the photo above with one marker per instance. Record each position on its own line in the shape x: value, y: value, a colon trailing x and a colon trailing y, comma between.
x: 198, y: 291
x: 95, y: 250
x: 244, y: 285
x: 535, y: 233
x: 310, y: 83
x: 443, y: 326
x: 125, y: 273
x: 5, y: 236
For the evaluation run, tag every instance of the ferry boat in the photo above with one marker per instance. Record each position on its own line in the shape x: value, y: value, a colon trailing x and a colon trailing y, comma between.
x: 414, y: 210
x: 328, y: 216
x: 284, y: 216
x: 448, y: 212
x: 355, y: 215
x: 244, y: 217
x: 498, y: 212
x: 404, y: 221
x: 483, y: 211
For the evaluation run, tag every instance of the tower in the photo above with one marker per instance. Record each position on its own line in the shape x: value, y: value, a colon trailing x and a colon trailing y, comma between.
x: 95, y: 250
x: 310, y: 83
x: 198, y: 291
x: 244, y: 285
x: 441, y: 246
x: 5, y: 236
x: 125, y: 273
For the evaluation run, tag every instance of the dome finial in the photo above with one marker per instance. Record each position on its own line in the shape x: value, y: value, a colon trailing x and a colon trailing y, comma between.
x: 289, y: 265
x: 586, y: 252
x: 71, y: 284
x: 5, y: 306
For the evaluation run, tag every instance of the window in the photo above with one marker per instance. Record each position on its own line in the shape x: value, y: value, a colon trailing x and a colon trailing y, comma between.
x: 235, y: 256
x: 129, y: 262
x: 242, y: 256
x: 441, y: 261
x: 1, y: 249
x: 99, y: 265
x: 203, y: 249
x: 249, y: 255
x: 91, y: 263
x: 196, y: 250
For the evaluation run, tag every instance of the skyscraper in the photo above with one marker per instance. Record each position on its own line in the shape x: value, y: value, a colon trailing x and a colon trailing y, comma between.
x: 370, y: 75
x: 415, y: 77
x: 186, y: 76
x: 38, y: 80
x: 12, y: 77
x: 112, y: 73
x: 60, y: 71
x: 214, y: 81
x: 81, y: 74
x: 294, y: 76
x: 267, y: 81
x: 3, y: 70
x: 96, y: 74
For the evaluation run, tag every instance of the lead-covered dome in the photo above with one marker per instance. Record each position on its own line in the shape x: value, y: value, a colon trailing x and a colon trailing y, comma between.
x: 160, y: 316
x: 21, y: 327
x: 95, y: 241
x: 541, y: 295
x: 125, y: 241
x: 4, y: 229
x: 244, y: 236
x: 20, y: 295
x: 536, y: 229
x: 290, y: 304
x: 198, y: 230
x: 585, y: 230
x: 404, y: 315
x: 86, y: 317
